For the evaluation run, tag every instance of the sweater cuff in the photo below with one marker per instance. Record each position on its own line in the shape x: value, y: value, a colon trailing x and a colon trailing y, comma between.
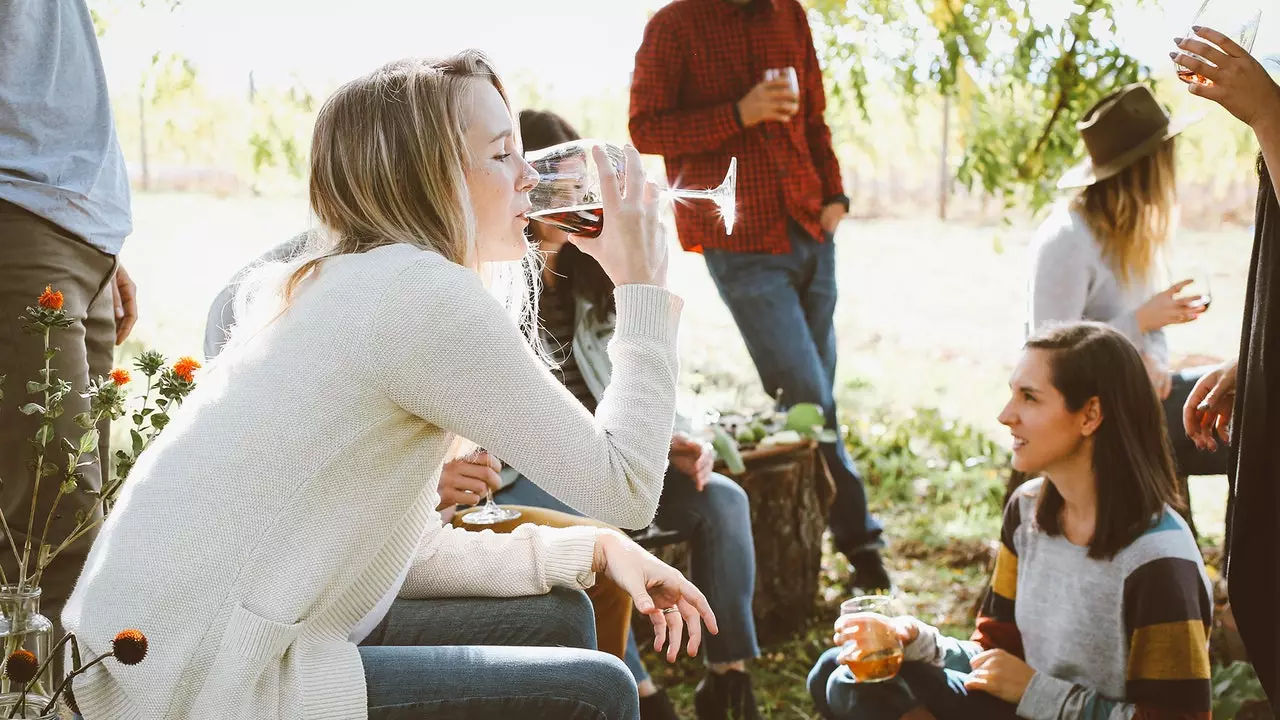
x: 567, y: 554
x: 925, y: 648
x: 649, y: 311
x: 1044, y: 697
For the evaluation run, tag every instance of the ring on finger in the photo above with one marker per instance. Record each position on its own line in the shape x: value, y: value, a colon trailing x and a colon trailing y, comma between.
x: 669, y: 610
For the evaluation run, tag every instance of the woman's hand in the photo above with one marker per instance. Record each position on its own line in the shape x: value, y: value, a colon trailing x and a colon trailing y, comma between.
x: 1209, y: 406
x: 658, y: 590
x: 1168, y: 308
x: 850, y: 627
x: 632, y: 248
x: 1239, y: 82
x: 692, y: 458
x: 465, y: 481
x: 999, y: 673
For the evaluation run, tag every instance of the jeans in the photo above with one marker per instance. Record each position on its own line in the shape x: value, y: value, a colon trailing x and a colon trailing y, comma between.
x: 940, y: 689
x: 718, y: 519
x: 784, y: 306
x: 494, y: 659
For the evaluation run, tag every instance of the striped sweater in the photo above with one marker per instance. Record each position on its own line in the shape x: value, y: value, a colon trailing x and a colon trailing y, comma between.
x: 1109, y: 639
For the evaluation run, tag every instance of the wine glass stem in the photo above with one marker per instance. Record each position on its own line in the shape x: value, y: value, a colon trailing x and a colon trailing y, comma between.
x: 690, y: 194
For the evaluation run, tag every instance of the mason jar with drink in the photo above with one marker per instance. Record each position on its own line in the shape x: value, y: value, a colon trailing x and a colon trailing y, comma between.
x: 870, y: 641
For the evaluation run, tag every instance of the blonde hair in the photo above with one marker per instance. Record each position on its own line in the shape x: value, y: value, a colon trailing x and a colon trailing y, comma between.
x: 388, y: 165
x: 1131, y: 214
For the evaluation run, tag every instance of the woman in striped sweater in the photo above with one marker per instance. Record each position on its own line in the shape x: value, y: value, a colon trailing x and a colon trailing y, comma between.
x: 1099, y: 606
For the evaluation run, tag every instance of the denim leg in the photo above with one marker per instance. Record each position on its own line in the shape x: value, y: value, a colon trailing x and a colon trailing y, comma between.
x: 723, y: 561
x: 767, y: 296
x: 442, y: 659
x: 526, y: 492
x: 497, y: 683
x: 839, y: 697
x: 561, y: 618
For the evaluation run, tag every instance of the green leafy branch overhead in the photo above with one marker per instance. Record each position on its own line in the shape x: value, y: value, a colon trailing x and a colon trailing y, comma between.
x: 1018, y: 83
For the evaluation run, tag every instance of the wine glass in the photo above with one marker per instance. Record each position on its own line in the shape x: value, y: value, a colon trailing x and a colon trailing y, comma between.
x: 490, y: 513
x: 568, y: 192
x: 874, y: 653
x: 1200, y: 287
x: 1237, y: 19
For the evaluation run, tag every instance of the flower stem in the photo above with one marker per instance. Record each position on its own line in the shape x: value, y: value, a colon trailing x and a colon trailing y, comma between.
x: 71, y: 676
x: 35, y: 492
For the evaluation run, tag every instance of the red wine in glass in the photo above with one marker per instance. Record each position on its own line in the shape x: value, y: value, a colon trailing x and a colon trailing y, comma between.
x: 584, y: 220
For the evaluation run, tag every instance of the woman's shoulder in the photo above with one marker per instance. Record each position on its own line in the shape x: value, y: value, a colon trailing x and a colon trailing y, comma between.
x: 1064, y: 232
x: 1168, y: 537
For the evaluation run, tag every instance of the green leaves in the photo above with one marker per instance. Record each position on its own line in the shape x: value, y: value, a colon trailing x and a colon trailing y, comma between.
x: 1019, y: 83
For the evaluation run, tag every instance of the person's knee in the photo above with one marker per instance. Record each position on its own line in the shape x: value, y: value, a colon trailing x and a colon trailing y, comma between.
x: 605, y: 682
x: 727, y: 500
x: 572, y: 618
x: 817, y: 680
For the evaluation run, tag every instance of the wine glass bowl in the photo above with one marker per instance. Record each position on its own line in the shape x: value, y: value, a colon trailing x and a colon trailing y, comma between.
x: 874, y: 653
x: 568, y: 192
x: 1237, y: 19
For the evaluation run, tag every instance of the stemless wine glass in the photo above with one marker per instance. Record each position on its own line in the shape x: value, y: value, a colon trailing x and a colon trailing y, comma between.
x: 874, y: 653
x: 490, y: 513
x: 568, y: 192
x: 1237, y: 19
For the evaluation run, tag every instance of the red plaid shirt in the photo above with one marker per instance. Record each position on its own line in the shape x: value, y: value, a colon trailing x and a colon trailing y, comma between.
x: 697, y: 60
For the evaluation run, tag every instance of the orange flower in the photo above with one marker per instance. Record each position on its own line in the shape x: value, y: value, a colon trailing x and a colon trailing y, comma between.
x: 50, y: 299
x: 21, y: 666
x: 129, y: 647
x: 186, y: 368
x: 120, y: 377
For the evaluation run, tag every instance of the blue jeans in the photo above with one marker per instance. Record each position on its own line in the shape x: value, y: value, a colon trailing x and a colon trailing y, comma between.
x: 784, y: 306
x: 718, y: 521
x: 494, y: 659
x: 940, y: 689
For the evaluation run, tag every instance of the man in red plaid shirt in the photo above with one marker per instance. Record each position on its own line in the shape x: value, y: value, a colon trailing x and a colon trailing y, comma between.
x: 698, y: 98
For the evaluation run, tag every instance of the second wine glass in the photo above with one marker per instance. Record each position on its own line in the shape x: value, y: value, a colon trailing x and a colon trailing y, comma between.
x: 568, y: 192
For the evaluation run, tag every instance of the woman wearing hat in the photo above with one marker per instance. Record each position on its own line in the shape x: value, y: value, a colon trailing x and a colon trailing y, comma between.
x: 1096, y: 256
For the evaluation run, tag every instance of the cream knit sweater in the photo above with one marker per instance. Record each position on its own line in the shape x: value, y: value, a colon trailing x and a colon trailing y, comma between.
x: 299, y: 479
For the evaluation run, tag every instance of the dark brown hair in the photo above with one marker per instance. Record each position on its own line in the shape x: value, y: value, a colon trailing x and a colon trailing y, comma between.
x: 1132, y: 462
x: 582, y: 274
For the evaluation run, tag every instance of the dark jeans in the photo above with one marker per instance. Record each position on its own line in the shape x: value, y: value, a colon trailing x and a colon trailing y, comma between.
x: 784, y: 306
x: 494, y: 659
x: 940, y: 689
x: 718, y: 521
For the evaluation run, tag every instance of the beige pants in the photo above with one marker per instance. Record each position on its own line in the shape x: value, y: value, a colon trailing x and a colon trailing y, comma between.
x: 34, y: 253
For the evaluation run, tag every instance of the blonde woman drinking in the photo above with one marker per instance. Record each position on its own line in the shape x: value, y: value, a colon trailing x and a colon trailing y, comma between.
x: 292, y: 501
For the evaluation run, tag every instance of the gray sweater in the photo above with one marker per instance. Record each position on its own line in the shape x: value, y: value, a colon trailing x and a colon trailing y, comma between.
x: 1071, y: 281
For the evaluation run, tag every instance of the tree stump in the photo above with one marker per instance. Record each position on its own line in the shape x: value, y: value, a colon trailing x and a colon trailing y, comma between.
x: 790, y: 492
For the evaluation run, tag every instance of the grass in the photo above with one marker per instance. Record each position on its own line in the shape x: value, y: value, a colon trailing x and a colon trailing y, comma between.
x: 931, y: 316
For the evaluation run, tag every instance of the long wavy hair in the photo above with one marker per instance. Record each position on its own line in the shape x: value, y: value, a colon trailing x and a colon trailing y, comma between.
x: 388, y: 165
x: 1131, y: 214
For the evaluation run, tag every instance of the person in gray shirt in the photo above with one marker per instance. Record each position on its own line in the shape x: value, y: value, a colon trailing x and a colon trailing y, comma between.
x: 1096, y: 256
x: 64, y: 213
